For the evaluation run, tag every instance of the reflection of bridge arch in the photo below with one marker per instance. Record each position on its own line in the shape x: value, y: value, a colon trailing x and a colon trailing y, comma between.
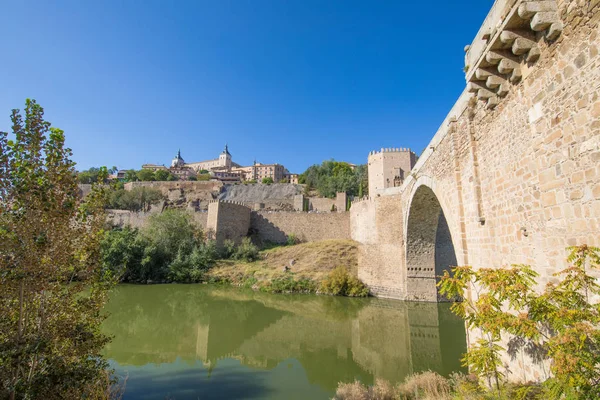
x: 430, y: 242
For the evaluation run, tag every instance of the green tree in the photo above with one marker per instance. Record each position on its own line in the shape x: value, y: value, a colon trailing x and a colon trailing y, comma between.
x: 52, y: 285
x: 267, y: 180
x: 136, y: 199
x: 560, y: 324
x: 162, y: 175
x: 333, y: 176
x: 145, y: 175
x: 89, y: 175
x: 131, y: 175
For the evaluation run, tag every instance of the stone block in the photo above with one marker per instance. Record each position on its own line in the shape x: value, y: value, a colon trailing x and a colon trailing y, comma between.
x: 528, y: 9
x: 543, y: 20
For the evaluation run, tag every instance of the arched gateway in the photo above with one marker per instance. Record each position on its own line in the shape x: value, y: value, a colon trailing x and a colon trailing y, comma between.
x: 429, y: 246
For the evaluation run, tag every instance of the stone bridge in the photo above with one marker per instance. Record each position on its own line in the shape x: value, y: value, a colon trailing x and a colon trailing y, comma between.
x: 512, y: 176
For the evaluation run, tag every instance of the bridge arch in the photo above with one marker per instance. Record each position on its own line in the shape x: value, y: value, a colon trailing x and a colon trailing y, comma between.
x: 430, y: 242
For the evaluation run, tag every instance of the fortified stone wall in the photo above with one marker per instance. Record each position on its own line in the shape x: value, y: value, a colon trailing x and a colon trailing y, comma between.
x: 228, y: 221
x: 309, y: 227
x: 121, y: 218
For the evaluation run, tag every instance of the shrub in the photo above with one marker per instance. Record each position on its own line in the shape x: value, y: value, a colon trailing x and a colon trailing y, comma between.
x: 246, y: 250
x: 228, y: 248
x: 267, y: 181
x: 287, y: 284
x: 559, y: 324
x: 340, y: 282
x: 425, y: 385
x: 203, y: 177
x: 292, y: 239
x: 191, y: 268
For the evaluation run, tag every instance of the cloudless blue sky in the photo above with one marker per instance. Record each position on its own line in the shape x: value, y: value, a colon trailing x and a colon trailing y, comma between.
x: 288, y: 81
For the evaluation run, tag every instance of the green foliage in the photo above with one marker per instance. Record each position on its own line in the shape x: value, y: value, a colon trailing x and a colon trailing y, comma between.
x: 284, y: 180
x: 145, y: 175
x: 203, y: 177
x: 203, y: 171
x: 288, y: 284
x: 52, y: 285
x: 170, y: 248
x: 89, y: 175
x: 137, y: 199
x: 228, y: 248
x: 292, y: 239
x: 164, y: 175
x: 267, y: 180
x: 340, y: 282
x: 131, y: 175
x: 192, y: 178
x: 246, y: 251
x: 559, y: 324
x: 191, y: 268
x: 332, y: 177
x: 249, y: 182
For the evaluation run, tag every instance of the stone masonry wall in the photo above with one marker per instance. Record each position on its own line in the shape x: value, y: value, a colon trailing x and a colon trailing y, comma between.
x: 309, y: 227
x: 121, y: 218
x: 228, y: 221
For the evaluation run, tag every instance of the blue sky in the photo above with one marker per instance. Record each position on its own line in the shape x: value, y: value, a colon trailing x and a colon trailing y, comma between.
x: 288, y: 81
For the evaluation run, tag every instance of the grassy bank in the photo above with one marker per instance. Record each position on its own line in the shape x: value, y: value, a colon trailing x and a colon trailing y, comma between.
x: 327, y: 266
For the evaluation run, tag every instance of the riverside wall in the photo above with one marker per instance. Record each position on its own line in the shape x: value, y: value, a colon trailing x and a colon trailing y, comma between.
x: 226, y: 220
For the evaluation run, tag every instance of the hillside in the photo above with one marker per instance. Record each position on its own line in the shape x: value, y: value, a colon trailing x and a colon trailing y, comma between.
x: 311, y: 261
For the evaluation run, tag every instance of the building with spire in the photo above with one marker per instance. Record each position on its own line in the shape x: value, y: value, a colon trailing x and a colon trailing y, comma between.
x: 224, y: 169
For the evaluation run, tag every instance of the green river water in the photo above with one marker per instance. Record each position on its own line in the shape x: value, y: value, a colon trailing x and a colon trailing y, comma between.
x: 212, y: 342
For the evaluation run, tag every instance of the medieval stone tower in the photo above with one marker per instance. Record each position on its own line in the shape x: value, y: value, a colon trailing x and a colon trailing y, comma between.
x: 389, y: 167
x: 225, y: 158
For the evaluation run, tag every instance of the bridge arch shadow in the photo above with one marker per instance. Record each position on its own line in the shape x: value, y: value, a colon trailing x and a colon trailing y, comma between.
x: 429, y: 246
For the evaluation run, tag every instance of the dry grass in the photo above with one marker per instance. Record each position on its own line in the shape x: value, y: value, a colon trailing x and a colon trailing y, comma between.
x: 426, y: 386
x: 312, y: 260
x: 423, y: 386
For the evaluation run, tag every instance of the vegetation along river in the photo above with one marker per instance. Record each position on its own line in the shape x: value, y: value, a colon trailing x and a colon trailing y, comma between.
x: 212, y: 342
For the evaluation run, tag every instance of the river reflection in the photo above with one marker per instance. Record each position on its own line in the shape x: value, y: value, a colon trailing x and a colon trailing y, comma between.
x: 202, y: 341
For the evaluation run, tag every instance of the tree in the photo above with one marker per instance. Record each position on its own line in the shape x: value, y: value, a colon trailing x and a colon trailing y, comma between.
x: 145, y: 175
x: 88, y: 176
x: 333, y: 176
x: 131, y: 175
x: 267, y: 181
x: 52, y: 285
x: 136, y: 199
x: 560, y: 324
x: 284, y: 180
x: 161, y: 174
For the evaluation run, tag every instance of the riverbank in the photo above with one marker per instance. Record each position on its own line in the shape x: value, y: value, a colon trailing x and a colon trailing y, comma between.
x: 302, y: 268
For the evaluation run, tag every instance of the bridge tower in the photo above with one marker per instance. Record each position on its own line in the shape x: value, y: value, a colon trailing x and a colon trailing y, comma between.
x: 389, y: 167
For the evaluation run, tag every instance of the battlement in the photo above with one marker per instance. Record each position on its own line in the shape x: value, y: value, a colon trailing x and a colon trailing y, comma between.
x: 389, y: 167
x: 237, y: 203
x: 391, y: 150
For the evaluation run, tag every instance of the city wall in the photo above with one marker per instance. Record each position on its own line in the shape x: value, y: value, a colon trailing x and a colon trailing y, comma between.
x: 230, y: 220
x: 308, y: 227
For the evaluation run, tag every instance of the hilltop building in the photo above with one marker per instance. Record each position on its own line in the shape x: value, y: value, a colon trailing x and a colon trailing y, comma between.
x: 389, y: 167
x: 224, y: 169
